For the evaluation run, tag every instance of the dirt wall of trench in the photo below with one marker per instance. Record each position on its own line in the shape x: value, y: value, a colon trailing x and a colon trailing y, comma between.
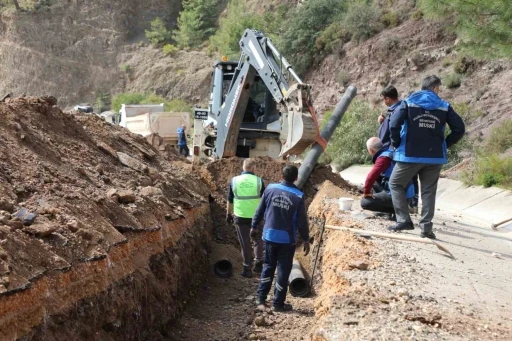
x: 132, y: 294
x: 102, y: 237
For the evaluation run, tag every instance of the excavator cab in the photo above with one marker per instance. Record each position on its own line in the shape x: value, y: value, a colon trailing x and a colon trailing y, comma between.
x: 256, y: 109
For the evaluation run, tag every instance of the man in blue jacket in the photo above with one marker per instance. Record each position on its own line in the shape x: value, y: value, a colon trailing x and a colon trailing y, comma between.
x: 282, y: 206
x: 417, y: 135
x: 182, y: 141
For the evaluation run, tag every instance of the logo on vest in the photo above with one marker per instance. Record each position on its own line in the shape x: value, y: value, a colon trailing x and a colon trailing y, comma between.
x: 427, y: 120
x: 282, y: 201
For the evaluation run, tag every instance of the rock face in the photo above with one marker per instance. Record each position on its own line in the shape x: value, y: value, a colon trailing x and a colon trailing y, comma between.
x: 74, y: 46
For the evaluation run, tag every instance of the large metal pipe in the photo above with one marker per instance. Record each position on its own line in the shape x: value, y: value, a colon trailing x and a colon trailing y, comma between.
x: 314, y: 154
x: 297, y: 283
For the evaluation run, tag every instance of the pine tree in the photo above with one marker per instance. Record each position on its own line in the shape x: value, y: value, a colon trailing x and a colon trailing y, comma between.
x: 196, y: 22
x: 484, y: 26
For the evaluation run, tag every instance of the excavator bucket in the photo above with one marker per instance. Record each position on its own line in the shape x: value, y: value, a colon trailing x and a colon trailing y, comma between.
x: 299, y: 127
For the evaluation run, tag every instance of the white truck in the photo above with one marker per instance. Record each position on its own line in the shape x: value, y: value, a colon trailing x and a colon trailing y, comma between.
x: 150, y: 119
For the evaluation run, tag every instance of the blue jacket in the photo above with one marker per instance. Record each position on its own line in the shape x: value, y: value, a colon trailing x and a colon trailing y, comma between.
x: 383, y: 133
x: 182, y: 137
x: 283, y: 207
x: 417, y: 129
x: 386, y: 175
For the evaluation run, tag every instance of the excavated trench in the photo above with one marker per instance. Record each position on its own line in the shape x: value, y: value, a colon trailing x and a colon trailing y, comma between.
x: 124, y: 238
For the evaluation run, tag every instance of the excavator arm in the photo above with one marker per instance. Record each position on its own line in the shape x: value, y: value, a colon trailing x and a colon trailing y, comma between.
x: 298, y: 128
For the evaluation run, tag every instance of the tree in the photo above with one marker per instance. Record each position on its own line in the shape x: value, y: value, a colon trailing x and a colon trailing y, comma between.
x: 483, y: 26
x: 302, y: 28
x: 158, y: 33
x: 16, y: 4
x: 196, y: 22
x: 231, y: 28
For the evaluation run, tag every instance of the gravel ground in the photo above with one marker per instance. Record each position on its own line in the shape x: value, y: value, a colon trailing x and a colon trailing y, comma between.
x: 410, y: 291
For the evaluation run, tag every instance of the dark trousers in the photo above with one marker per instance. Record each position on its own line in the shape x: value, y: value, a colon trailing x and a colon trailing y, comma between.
x: 280, y: 256
x: 184, y: 150
x: 244, y: 230
x: 429, y: 176
x: 381, y: 202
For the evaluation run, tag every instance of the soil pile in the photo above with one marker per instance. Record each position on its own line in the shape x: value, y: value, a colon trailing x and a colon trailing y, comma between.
x: 218, y: 174
x: 73, y: 186
x: 270, y: 170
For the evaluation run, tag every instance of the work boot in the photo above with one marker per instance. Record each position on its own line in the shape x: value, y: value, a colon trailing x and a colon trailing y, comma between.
x: 402, y: 226
x: 429, y: 235
x: 282, y: 308
x: 247, y: 273
x: 258, y: 267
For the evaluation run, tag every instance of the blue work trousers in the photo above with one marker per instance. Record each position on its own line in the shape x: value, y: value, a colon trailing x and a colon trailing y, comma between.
x: 280, y: 256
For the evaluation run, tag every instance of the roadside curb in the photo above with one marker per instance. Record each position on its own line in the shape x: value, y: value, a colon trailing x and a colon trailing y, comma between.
x: 489, y: 205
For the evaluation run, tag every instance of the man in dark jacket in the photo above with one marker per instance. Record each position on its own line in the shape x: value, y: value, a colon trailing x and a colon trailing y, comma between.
x: 182, y: 141
x: 417, y: 135
x: 282, y: 206
x: 390, y: 97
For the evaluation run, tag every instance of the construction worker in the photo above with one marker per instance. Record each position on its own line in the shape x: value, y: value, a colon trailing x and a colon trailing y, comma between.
x: 282, y: 207
x: 380, y: 201
x: 244, y: 196
x: 417, y: 136
x: 390, y: 98
x: 182, y: 141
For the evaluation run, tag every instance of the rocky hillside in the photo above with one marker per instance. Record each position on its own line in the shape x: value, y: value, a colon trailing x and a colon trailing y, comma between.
x: 77, y: 51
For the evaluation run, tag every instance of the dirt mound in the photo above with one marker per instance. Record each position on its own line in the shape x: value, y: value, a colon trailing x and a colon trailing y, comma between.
x: 270, y: 170
x: 73, y: 186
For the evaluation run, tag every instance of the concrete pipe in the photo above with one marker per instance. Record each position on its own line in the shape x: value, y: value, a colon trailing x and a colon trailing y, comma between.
x: 223, y: 268
x: 297, y: 283
x: 314, y: 154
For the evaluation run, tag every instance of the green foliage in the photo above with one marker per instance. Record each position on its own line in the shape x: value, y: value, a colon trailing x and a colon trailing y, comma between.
x: 467, y: 113
x: 169, y: 49
x: 483, y: 26
x: 303, y: 26
x: 332, y: 38
x: 176, y: 105
x: 500, y: 138
x: 126, y: 68
x: 463, y: 65
x: 343, y: 77
x: 447, y: 61
x: 225, y: 40
x: 491, y: 170
x: 362, y: 20
x: 491, y: 167
x: 196, y: 22
x: 126, y: 98
x: 102, y: 101
x: 452, y: 80
x: 347, y: 146
x: 417, y: 14
x: 159, y: 33
x: 390, y: 19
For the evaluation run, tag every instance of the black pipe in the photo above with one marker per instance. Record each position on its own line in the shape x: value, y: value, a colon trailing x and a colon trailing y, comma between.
x: 314, y: 154
x: 297, y: 283
x: 223, y: 268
